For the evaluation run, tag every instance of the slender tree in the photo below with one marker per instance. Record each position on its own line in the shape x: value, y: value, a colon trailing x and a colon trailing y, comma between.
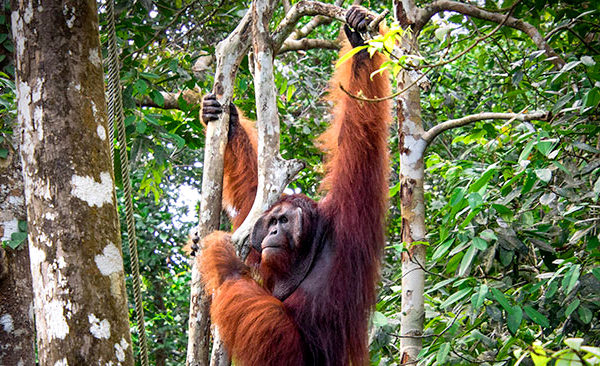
x: 74, y: 241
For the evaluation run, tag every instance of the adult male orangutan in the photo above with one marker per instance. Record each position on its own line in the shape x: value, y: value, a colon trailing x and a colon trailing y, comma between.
x: 317, y: 262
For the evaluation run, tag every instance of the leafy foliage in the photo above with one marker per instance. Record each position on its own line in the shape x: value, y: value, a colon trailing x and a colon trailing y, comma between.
x: 512, y: 207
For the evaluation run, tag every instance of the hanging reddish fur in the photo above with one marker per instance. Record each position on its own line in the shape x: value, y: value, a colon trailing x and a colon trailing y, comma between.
x: 316, y: 309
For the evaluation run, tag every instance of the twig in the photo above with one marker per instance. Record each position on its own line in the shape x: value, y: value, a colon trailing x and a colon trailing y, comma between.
x: 427, y: 12
x: 475, y: 43
x: 392, y: 96
x: 162, y: 30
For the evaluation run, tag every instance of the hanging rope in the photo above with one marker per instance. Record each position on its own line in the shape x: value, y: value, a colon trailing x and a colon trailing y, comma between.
x: 115, y: 118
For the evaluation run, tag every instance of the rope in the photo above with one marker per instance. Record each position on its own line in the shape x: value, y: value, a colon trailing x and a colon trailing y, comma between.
x: 115, y: 118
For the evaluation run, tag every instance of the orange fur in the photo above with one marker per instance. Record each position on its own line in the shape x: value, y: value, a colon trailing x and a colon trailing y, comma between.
x: 325, y: 320
x: 240, y: 171
x: 218, y: 261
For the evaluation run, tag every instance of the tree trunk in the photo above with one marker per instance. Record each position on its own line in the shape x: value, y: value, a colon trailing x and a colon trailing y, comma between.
x: 74, y: 241
x: 17, y: 336
x: 412, y: 149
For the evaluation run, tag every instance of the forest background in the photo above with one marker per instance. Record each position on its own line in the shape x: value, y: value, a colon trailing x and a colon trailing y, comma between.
x: 512, y: 211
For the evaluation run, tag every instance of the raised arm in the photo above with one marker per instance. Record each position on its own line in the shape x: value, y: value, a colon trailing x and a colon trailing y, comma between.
x: 245, y: 313
x: 356, y: 142
x: 240, y: 176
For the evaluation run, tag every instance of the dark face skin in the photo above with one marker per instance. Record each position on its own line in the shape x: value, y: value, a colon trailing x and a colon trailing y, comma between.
x: 281, y: 243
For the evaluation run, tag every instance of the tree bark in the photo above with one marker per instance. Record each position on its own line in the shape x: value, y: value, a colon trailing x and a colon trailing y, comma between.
x: 17, y: 335
x: 74, y: 240
x: 230, y: 53
x: 413, y: 232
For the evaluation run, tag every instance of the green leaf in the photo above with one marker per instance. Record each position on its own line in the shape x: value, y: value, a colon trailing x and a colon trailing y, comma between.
x: 478, y: 298
x: 17, y: 239
x: 517, y: 77
x: 501, y: 209
x: 129, y: 120
x: 572, y: 307
x: 394, y: 190
x: 455, y: 297
x: 379, y: 320
x: 179, y: 141
x: 485, y: 177
x: 158, y: 98
x: 591, y: 98
x: 3, y: 153
x: 140, y: 86
x: 514, y: 319
x: 488, y: 234
x: 465, y: 264
x: 544, y: 174
x: 22, y: 226
x: 596, y: 273
x: 290, y: 93
x: 140, y: 127
x: 499, y: 296
x: 545, y: 146
x: 585, y: 314
x: 349, y: 55
x: 457, y: 196
x: 527, y: 150
x: 480, y: 244
x: 568, y: 359
x: 537, y: 317
x: 475, y: 200
x: 442, y: 249
x: 442, y: 354
x: 152, y: 120
x: 592, y: 350
x: 574, y: 343
x: 570, y: 278
x: 149, y: 75
x: 538, y: 354
x: 585, y: 147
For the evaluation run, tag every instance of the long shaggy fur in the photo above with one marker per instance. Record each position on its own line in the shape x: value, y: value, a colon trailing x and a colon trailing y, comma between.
x: 324, y: 321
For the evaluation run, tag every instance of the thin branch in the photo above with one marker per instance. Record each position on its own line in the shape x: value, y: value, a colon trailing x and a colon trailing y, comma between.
x: 308, y: 44
x: 475, y: 43
x: 171, y: 99
x: 427, y: 12
x: 454, y: 123
x: 391, y: 96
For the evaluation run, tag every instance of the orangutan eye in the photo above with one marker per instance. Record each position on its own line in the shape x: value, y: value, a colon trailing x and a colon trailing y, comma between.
x: 283, y: 219
x: 272, y: 222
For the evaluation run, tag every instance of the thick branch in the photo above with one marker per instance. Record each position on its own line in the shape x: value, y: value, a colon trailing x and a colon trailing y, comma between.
x: 454, y: 123
x: 274, y: 173
x: 230, y: 53
x: 425, y: 14
x: 312, y: 24
x: 171, y: 99
x: 308, y: 44
x: 300, y: 9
